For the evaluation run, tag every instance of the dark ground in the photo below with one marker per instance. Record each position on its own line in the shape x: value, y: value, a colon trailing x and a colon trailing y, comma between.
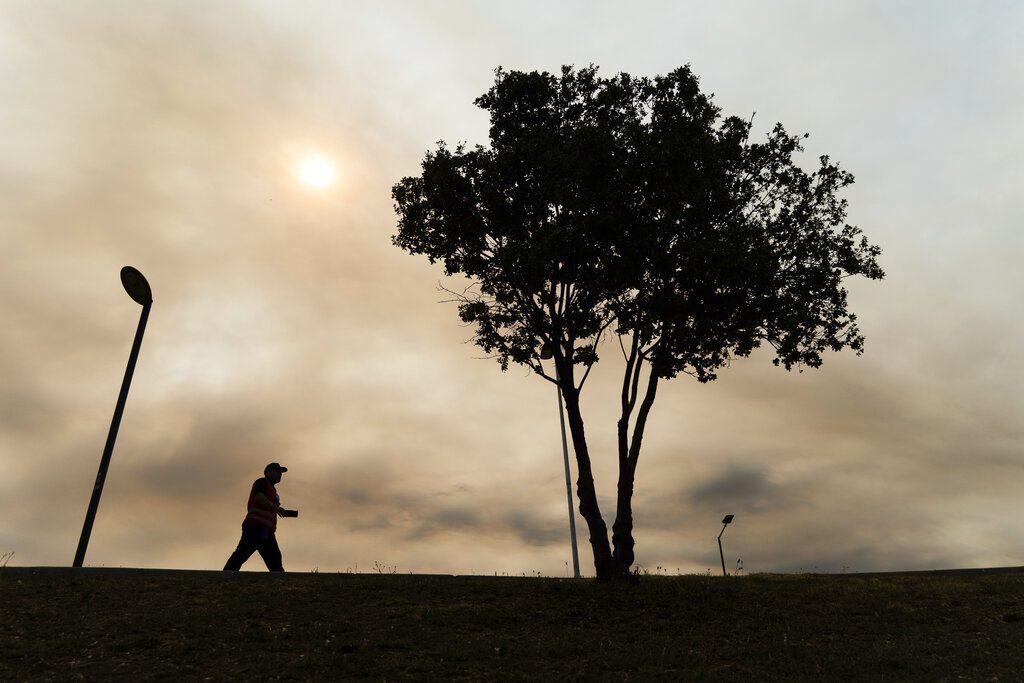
x: 65, y: 624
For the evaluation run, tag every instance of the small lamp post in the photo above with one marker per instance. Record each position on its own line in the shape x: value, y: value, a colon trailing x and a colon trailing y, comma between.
x: 545, y: 354
x: 138, y: 289
x: 721, y: 555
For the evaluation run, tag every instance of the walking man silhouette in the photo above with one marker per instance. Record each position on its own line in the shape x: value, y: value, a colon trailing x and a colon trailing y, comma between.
x: 260, y: 523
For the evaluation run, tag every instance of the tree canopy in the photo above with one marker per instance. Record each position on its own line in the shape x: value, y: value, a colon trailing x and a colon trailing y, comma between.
x: 631, y: 205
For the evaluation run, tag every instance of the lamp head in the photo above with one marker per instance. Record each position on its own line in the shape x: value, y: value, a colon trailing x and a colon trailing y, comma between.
x: 135, y: 284
x: 727, y: 519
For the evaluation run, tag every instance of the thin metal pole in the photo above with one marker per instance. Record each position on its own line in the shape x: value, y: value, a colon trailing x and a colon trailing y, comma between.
x: 568, y: 483
x: 108, y: 449
x: 720, y: 553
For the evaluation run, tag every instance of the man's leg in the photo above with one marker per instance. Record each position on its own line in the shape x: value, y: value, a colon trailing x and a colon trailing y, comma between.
x: 247, y: 545
x: 271, y: 553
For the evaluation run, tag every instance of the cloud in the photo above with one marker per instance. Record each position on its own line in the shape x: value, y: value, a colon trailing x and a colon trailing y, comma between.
x: 287, y: 327
x: 743, y: 487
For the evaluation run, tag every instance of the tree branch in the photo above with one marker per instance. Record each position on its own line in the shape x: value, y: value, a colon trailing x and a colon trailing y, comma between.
x: 629, y: 379
x: 538, y: 368
x: 460, y: 297
x: 644, y: 353
x: 627, y: 375
x: 562, y: 296
x: 641, y: 420
x: 633, y: 393
x: 593, y: 346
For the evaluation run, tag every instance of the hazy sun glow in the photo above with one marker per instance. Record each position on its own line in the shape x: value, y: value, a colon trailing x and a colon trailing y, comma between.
x: 317, y: 171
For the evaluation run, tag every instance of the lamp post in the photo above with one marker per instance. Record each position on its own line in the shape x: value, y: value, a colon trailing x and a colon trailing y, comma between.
x: 138, y: 289
x: 721, y: 555
x: 545, y: 354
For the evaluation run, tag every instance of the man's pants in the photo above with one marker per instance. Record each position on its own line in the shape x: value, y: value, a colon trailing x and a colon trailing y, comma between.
x: 256, y: 537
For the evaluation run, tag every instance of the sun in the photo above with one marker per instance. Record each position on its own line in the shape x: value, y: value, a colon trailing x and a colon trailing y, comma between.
x: 317, y: 171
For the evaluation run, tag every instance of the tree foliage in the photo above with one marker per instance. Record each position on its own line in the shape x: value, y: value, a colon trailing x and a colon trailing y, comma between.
x: 630, y: 204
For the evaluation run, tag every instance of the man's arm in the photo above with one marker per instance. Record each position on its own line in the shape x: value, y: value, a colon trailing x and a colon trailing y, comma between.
x: 263, y: 501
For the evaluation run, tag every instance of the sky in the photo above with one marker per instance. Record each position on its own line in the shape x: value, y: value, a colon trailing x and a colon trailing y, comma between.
x: 286, y: 326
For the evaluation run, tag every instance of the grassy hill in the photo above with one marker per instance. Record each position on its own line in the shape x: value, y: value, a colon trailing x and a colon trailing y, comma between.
x: 160, y: 624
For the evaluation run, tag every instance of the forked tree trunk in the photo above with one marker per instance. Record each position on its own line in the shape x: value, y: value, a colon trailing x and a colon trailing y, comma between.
x: 608, y: 565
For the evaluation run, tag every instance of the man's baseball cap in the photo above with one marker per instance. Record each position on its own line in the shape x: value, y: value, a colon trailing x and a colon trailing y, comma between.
x: 275, y: 466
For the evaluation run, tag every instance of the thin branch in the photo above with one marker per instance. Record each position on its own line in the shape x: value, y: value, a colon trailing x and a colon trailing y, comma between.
x: 538, y: 368
x: 571, y: 299
x: 462, y: 298
x: 647, y: 352
x: 627, y: 406
x: 549, y: 299
x: 630, y: 360
x: 762, y: 195
x: 750, y: 176
x: 593, y: 346
x: 531, y: 308
x: 636, y: 381
x: 584, y: 378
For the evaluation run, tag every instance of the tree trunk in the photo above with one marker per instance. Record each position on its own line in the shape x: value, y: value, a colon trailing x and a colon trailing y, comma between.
x: 604, y: 563
x: 622, y: 529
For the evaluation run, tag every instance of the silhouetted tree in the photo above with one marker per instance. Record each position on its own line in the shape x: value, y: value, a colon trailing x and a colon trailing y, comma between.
x: 629, y: 205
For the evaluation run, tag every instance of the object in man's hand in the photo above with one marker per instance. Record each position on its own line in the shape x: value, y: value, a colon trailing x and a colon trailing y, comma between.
x: 289, y: 513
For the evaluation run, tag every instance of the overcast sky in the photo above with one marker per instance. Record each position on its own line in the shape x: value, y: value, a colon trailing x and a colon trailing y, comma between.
x: 285, y: 326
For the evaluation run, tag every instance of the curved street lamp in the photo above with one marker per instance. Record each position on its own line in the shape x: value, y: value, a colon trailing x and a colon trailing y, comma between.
x: 725, y: 522
x: 138, y: 289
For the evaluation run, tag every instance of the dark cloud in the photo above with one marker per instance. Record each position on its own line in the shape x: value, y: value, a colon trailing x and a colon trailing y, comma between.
x: 743, y: 487
x: 445, y: 519
x: 534, y: 530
